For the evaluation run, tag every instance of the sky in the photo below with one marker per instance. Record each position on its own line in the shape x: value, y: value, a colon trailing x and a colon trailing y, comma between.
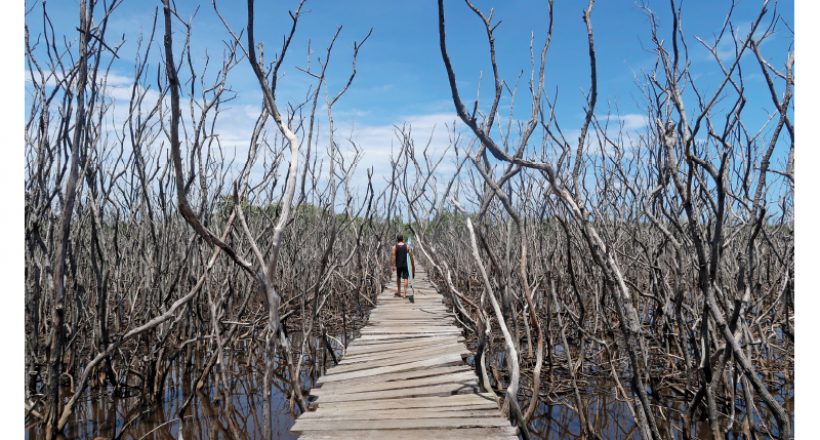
x: 400, y: 74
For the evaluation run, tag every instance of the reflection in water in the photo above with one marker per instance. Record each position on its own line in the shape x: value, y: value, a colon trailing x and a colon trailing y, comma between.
x: 237, y: 412
x: 611, y: 416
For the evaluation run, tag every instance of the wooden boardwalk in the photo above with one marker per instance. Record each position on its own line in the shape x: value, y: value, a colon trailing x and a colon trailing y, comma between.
x: 404, y: 378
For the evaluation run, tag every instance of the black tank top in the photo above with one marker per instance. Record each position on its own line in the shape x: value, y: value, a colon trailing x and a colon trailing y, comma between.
x: 401, y: 255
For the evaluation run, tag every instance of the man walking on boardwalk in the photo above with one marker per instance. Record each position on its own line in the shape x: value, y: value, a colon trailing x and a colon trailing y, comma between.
x: 400, y: 255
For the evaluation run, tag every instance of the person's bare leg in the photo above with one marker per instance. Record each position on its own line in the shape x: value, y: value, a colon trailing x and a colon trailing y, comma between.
x: 407, y: 293
x: 398, y: 284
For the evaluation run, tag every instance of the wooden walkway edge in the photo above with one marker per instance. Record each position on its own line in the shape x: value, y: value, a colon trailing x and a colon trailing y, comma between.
x: 404, y: 378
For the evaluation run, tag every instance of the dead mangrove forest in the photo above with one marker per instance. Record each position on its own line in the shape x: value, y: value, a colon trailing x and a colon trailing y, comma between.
x: 611, y: 282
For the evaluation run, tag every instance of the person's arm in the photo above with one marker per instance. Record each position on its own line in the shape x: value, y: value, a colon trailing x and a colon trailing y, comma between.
x: 393, y: 258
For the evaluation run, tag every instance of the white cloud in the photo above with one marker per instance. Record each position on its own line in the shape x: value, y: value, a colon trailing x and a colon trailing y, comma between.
x: 378, y: 145
x: 633, y: 121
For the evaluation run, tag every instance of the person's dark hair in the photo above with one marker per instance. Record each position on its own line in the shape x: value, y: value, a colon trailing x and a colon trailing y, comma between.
x: 400, y: 237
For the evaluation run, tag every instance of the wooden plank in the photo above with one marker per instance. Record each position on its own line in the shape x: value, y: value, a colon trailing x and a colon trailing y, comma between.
x: 411, y: 321
x: 404, y: 358
x: 401, y: 376
x: 404, y: 328
x: 357, y: 350
x: 420, y: 305
x: 355, y: 425
x: 417, y: 352
x: 462, y: 377
x: 393, y: 339
x: 410, y: 318
x: 409, y: 332
x: 415, y: 317
x: 399, y: 311
x: 447, y: 359
x: 410, y: 344
x: 431, y: 390
x: 395, y: 333
x: 456, y: 400
x: 414, y: 434
x: 396, y: 414
x: 419, y: 298
x: 419, y: 301
x: 366, y: 351
x: 401, y: 337
x: 343, y: 409
x: 408, y: 314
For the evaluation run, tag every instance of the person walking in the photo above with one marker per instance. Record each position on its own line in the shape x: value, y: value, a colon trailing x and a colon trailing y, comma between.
x: 400, y: 254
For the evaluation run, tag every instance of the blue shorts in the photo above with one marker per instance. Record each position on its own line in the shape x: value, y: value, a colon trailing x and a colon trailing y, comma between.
x: 402, y: 272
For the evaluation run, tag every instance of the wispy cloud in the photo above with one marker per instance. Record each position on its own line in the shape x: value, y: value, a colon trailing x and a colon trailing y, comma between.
x: 375, y: 146
x: 633, y: 121
x: 379, y: 144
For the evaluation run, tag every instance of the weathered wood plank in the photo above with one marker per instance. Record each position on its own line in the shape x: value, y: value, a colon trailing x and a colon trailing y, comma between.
x: 401, y: 376
x: 409, y: 332
x: 360, y: 349
x: 400, y: 337
x: 464, y: 376
x: 404, y: 378
x: 399, y: 315
x: 443, y: 322
x: 405, y: 328
x: 398, y: 414
x: 421, y: 313
x: 432, y: 390
x: 447, y: 359
x: 411, y: 344
x: 456, y: 400
x: 397, y: 339
x: 417, y: 353
x: 415, y: 434
x: 353, y: 425
x: 397, y: 359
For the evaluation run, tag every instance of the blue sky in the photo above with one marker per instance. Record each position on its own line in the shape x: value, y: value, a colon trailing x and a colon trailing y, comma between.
x: 400, y: 73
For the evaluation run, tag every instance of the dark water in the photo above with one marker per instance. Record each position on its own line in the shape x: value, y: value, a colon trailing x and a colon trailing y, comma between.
x: 100, y: 414
x: 210, y: 416
x: 207, y: 418
x: 610, y: 415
